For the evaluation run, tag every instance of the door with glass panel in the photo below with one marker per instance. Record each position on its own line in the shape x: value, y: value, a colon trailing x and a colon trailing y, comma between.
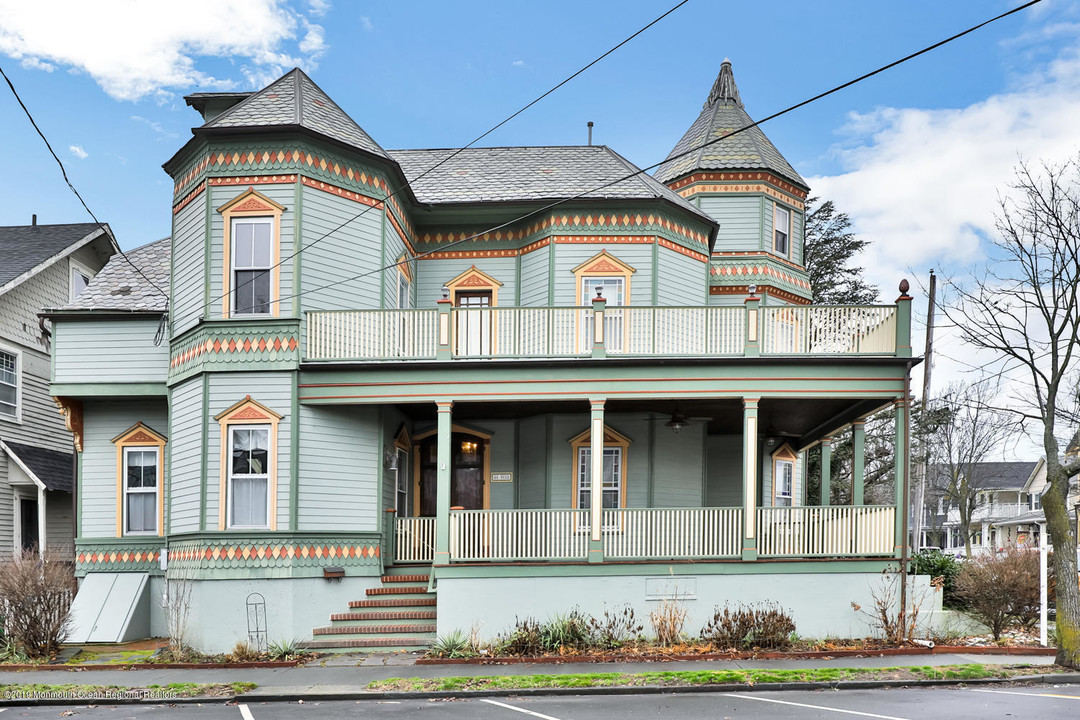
x: 611, y: 289
x: 472, y: 325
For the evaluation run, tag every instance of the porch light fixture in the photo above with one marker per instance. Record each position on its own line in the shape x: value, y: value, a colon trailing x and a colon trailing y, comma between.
x: 752, y: 289
x: 445, y: 292
x: 389, y: 459
x: 677, y: 422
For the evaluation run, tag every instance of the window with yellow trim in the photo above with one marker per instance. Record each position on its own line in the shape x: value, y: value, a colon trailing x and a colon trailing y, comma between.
x: 783, y: 476
x: 613, y: 483
x: 603, y: 275
x: 248, y: 490
x: 140, y: 507
x: 251, y: 250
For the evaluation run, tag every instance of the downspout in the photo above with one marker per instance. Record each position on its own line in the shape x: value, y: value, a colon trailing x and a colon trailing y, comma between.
x: 907, y: 489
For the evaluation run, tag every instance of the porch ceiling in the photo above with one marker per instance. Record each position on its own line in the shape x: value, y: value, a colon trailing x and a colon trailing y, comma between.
x: 802, y: 420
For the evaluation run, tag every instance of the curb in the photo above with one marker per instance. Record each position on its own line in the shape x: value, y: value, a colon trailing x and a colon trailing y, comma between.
x: 153, y: 666
x: 808, y: 655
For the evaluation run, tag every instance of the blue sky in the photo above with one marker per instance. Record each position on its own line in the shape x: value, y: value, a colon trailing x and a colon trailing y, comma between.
x: 916, y: 156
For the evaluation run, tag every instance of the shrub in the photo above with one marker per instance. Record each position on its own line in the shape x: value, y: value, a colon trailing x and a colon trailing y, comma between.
x: 523, y: 639
x: 284, y: 649
x: 570, y: 631
x: 937, y: 564
x: 35, y: 602
x: 455, y: 644
x: 243, y: 652
x: 616, y: 629
x: 667, y: 621
x: 767, y: 626
x: 1002, y: 589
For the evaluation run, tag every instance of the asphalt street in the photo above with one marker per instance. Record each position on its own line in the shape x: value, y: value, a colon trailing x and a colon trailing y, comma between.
x: 1042, y: 702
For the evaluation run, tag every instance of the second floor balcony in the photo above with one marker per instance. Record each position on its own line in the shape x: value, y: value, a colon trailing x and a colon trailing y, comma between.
x: 459, y: 333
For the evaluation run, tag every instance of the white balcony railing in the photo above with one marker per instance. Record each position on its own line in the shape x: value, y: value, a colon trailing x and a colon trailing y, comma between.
x: 414, y: 539
x: 826, y: 531
x: 508, y: 535
x: 674, y: 533
x: 372, y: 334
x: 829, y: 330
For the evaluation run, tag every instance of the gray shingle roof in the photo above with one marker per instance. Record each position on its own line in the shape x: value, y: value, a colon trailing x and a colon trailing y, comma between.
x: 508, y: 174
x: 52, y: 467
x: 749, y: 150
x: 991, y: 475
x: 119, y: 286
x: 294, y: 99
x: 24, y: 247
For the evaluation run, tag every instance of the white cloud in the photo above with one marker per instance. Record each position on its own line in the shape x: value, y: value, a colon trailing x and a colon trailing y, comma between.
x: 78, y: 152
x: 518, y: 63
x: 134, y: 49
x: 319, y: 7
x: 922, y: 185
x: 365, y: 22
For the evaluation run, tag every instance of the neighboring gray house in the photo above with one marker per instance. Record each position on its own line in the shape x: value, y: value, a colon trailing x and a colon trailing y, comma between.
x: 40, y: 266
x: 1003, y: 490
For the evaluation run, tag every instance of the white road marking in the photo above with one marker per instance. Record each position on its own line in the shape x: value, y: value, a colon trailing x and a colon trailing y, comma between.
x: 520, y: 710
x: 1007, y: 692
x: 745, y: 696
x: 245, y: 712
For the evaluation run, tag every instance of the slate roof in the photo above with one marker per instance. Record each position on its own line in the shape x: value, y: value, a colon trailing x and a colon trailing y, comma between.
x: 749, y: 150
x: 993, y: 475
x: 294, y: 99
x: 53, y: 468
x: 24, y: 247
x: 119, y: 286
x: 507, y: 174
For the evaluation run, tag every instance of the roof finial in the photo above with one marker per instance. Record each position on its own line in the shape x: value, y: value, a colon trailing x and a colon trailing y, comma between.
x: 724, y: 87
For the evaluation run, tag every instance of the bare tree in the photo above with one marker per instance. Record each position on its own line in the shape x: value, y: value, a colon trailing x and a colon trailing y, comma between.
x: 1025, y: 308
x: 969, y: 429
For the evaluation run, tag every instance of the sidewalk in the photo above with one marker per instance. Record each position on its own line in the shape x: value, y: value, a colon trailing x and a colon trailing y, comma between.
x: 340, y: 677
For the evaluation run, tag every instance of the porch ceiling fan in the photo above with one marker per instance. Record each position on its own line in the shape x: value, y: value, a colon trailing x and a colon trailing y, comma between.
x: 678, y: 421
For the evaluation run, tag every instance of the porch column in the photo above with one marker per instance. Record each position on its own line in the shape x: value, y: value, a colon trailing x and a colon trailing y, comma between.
x: 750, y: 463
x: 826, y: 470
x: 899, y: 452
x: 858, y: 461
x: 596, y: 479
x: 442, y: 485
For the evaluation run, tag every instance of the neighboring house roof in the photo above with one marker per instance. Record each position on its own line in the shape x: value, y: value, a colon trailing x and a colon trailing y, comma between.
x: 51, y: 468
x: 119, y: 286
x: 26, y: 250
x: 749, y: 150
x: 295, y: 100
x: 991, y: 475
x: 508, y: 174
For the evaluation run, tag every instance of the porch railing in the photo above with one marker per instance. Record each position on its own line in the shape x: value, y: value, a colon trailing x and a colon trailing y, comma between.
x: 507, y: 535
x: 825, y: 531
x: 829, y: 330
x: 672, y: 532
x: 414, y: 539
x: 542, y: 332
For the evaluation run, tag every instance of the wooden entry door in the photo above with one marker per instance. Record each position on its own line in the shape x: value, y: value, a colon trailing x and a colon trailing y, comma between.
x: 466, y: 473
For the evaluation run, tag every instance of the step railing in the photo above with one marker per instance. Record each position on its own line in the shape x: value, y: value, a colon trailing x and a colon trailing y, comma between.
x: 511, y: 535
x: 672, y: 533
x: 414, y: 539
x: 825, y: 531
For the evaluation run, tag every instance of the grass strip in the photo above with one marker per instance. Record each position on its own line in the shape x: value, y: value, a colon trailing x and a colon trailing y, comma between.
x: 701, y: 677
x: 28, y: 691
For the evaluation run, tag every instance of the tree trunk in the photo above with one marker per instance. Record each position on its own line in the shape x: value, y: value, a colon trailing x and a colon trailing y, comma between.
x: 1068, y: 588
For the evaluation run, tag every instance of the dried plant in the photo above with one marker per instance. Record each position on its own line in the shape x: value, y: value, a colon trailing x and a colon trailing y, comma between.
x: 176, y: 602
x: 667, y: 621
x: 35, y: 602
x: 895, y: 624
x: 1002, y: 589
x: 617, y: 628
x: 746, y: 627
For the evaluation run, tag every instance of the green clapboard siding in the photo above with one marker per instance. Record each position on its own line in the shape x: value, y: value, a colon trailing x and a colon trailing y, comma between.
x: 723, y: 486
x: 532, y: 463
x: 682, y: 280
x: 501, y: 460
x: 100, y: 351
x: 188, y: 255
x: 740, y: 221
x: 282, y: 195
x: 678, y: 466
x: 797, y: 223
x: 534, y: 277
x: 569, y: 256
x: 395, y: 249
x: 342, y: 254
x: 274, y: 390
x: 102, y: 421
x: 339, y: 462
x: 433, y: 274
x: 186, y: 455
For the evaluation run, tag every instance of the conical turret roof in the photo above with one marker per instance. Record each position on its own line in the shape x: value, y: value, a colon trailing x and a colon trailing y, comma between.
x: 722, y: 113
x: 295, y: 100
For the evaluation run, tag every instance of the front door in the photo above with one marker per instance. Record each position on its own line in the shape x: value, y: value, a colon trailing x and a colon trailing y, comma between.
x: 466, y: 473
x: 28, y: 524
x: 473, y: 327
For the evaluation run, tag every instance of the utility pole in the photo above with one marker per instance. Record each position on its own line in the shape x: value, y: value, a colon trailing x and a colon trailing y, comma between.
x: 922, y: 468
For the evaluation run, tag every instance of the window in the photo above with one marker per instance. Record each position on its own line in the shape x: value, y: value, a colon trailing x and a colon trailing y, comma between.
x: 80, y: 278
x: 783, y: 477
x: 1035, y: 501
x: 251, y: 262
x: 611, y: 276
x: 249, y: 477
x: 473, y: 292
x: 140, y: 490
x: 781, y: 230
x: 248, y: 489
x: 404, y: 292
x: 401, y: 472
x: 9, y: 385
x: 139, y: 475
x: 611, y: 485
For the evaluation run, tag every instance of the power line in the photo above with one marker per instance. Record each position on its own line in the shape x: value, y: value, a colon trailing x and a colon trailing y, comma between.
x: 754, y: 124
x: 63, y: 171
x: 457, y: 152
